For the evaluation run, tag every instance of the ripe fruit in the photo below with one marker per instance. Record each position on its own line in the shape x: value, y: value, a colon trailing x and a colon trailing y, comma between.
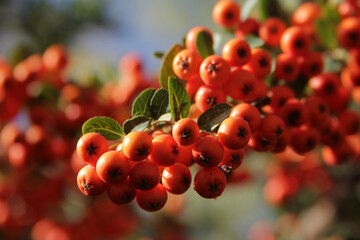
x: 249, y: 113
x: 210, y: 182
x: 137, y: 145
x: 165, y: 151
x: 190, y: 40
x: 113, y: 167
x: 152, y: 200
x: 144, y: 175
x: 236, y: 52
x: 208, y: 152
x: 176, y: 178
x: 226, y: 13
x: 89, y: 182
x: 295, y: 41
x: 121, y: 193
x: 186, y: 64
x: 91, y: 146
x: 214, y: 71
x: 271, y: 30
x: 185, y: 131
x: 206, y: 97
x: 234, y: 132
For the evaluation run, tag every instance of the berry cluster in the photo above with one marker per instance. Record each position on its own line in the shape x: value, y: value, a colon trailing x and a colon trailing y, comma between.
x: 277, y: 96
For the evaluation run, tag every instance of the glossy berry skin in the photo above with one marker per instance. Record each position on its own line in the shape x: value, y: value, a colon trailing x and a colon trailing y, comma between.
x: 348, y: 33
x: 206, y: 97
x: 214, y: 71
x: 294, y: 113
x: 176, y: 178
x: 122, y: 193
x: 278, y: 96
x: 237, y: 52
x: 113, y: 167
x: 165, y: 151
x: 350, y: 120
x: 241, y: 85
x: 232, y: 158
x: 186, y: 64
x: 234, y: 133
x: 306, y: 13
x: 295, y: 41
x: 137, y: 145
x: 152, y: 200
x: 304, y: 139
x: 249, y: 113
x: 226, y: 13
x: 286, y: 67
x: 91, y: 146
x: 272, y: 127
x: 312, y: 64
x: 271, y: 30
x: 185, y: 155
x: 144, y: 175
x: 210, y: 182
x: 208, y: 152
x: 185, y: 131
x: 89, y: 182
x: 260, y: 63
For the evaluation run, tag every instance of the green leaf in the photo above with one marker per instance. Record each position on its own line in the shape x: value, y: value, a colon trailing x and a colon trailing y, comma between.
x: 212, y: 118
x: 179, y: 99
x: 105, y: 126
x: 246, y: 8
x: 159, y: 103
x: 263, y: 9
x: 166, y: 67
x: 141, y: 105
x: 165, y: 117
x: 254, y: 42
x: 326, y: 26
x: 204, y: 44
x: 138, y: 123
x: 159, y: 54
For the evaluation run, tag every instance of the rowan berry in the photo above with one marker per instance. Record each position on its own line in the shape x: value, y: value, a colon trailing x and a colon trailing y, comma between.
x: 226, y: 13
x: 144, y: 175
x: 271, y: 127
x: 176, y: 178
x: 241, y: 85
x: 214, y: 71
x: 336, y: 155
x: 165, y: 151
x: 232, y: 158
x: 236, y: 52
x: 234, y: 132
x: 304, y: 139
x: 113, y: 167
x: 91, y: 146
x: 348, y: 9
x: 271, y: 30
x: 312, y: 64
x: 249, y: 113
x: 89, y: 182
x: 318, y: 110
x: 185, y: 131
x: 210, y: 182
x: 325, y: 85
x: 260, y: 144
x: 208, y: 152
x: 247, y: 27
x: 286, y: 67
x: 334, y: 135
x: 137, y: 145
x: 306, y: 13
x: 282, y: 142
x: 193, y: 85
x: 206, y: 97
x: 186, y: 64
x: 278, y: 96
x: 152, y: 200
x: 294, y: 113
x: 348, y: 33
x: 55, y: 57
x: 260, y: 63
x: 122, y: 193
x: 295, y: 41
x: 350, y: 120
x: 185, y: 155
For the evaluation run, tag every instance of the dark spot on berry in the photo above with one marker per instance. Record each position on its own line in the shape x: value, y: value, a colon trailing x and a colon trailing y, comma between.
x: 143, y: 151
x: 241, y: 52
x: 273, y: 30
x: 184, y: 64
x: 329, y: 88
x: 91, y: 149
x: 86, y: 186
x: 212, y: 68
x: 293, y: 117
x: 335, y: 137
x: 322, y: 108
x: 314, y: 68
x: 264, y: 143
x: 288, y: 69
x: 229, y: 15
x: 299, y: 43
x: 154, y: 206
x: 242, y: 132
x: 113, y: 174
x: 279, y: 131
x: 247, y: 89
x: 185, y: 133
x: 175, y: 150
x: 214, y: 187
x: 204, y: 159
x: 211, y: 101
x: 144, y: 184
x: 186, y: 181
x: 353, y: 37
x: 281, y: 102
x: 127, y: 197
x: 310, y: 144
x: 263, y: 62
x: 235, y: 158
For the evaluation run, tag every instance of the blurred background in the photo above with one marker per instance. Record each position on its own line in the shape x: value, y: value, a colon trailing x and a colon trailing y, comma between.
x: 39, y: 198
